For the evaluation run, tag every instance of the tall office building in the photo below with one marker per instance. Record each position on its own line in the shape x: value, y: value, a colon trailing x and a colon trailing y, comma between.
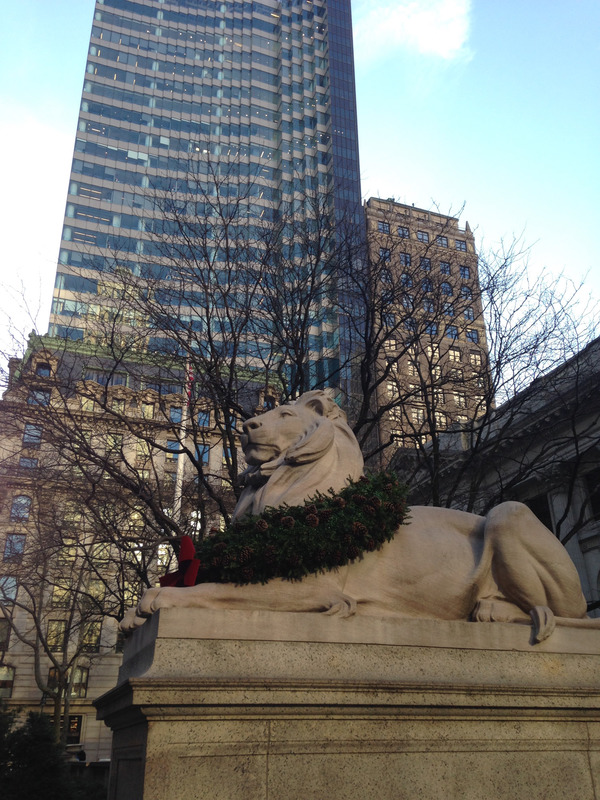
x: 260, y: 92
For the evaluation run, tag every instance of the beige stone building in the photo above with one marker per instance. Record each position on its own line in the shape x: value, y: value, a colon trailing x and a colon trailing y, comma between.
x: 435, y: 360
x: 95, y: 476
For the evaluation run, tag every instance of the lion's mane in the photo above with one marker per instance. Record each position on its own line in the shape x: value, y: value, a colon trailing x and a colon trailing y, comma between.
x: 325, y: 457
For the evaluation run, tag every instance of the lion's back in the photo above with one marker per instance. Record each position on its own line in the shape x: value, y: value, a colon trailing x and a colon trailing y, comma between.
x: 431, y: 567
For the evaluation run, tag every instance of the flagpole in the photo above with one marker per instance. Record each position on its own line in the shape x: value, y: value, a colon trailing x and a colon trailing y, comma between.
x: 183, y: 431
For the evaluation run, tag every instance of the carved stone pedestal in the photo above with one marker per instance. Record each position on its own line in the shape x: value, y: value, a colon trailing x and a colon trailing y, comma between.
x: 255, y: 705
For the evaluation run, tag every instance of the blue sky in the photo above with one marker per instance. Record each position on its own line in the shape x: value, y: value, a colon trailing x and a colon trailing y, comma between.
x: 490, y: 104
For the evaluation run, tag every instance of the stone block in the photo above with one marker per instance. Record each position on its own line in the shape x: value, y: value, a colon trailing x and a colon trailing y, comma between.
x: 270, y: 706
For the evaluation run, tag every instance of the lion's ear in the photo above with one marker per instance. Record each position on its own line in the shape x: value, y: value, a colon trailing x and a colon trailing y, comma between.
x: 322, y: 403
x: 319, y: 404
x: 317, y: 440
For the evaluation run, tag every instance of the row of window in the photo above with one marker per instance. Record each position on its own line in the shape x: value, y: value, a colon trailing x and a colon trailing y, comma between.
x: 79, y: 688
x: 406, y: 281
x: 422, y: 236
x: 428, y: 306
x: 450, y: 331
x: 405, y: 259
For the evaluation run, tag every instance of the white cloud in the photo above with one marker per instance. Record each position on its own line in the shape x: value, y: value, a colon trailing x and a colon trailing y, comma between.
x: 438, y: 28
x: 34, y: 165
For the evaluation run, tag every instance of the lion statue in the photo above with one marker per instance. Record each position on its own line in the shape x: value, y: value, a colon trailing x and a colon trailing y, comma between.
x: 442, y: 564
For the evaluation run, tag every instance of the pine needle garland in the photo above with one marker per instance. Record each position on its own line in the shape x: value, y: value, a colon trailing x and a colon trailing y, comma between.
x: 291, y: 542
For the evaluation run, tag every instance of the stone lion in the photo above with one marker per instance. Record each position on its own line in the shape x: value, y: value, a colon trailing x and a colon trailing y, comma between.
x: 443, y: 564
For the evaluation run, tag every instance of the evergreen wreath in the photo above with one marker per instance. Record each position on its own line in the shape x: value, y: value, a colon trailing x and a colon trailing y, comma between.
x: 291, y: 542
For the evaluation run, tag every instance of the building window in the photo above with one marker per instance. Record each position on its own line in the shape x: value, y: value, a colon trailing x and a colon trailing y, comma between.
x: 91, y: 637
x: 423, y: 236
x: 118, y: 406
x: 405, y: 259
x: 4, y: 634
x: 465, y: 272
x: 432, y: 351
x: 406, y: 280
x: 148, y: 410
x: 202, y: 454
x: 445, y: 267
x: 172, y: 450
x: 466, y: 293
x: 39, y: 397
x: 87, y: 404
x: 469, y: 313
x: 79, y: 680
x: 8, y: 589
x: 472, y: 335
x: 106, y: 378
x: 61, y: 594
x: 203, y: 419
x: 142, y: 450
x: 456, y: 375
x: 475, y: 359
x: 384, y: 253
x: 446, y: 289
x: 79, y: 683
x: 175, y: 414
x: 431, y: 329
x: 441, y: 241
x: 28, y: 463
x: 461, y: 245
x: 451, y: 332
x: 460, y: 399
x: 20, y: 508
x: 418, y: 415
x: 32, y: 435
x: 42, y: 370
x: 428, y: 305
x: 100, y: 554
x: 454, y: 354
x: 426, y: 285
x: 426, y: 264
x: 439, y: 396
x: 383, y: 227
x: 14, y: 547
x: 68, y: 552
x: 448, y: 309
x: 56, y: 636
x: 7, y: 680
x: 416, y: 391
x: 440, y: 420
x: 114, y: 444
x: 403, y: 232
x: 74, y: 729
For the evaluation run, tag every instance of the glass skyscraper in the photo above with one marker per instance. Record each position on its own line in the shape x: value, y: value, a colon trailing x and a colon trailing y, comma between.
x: 266, y: 88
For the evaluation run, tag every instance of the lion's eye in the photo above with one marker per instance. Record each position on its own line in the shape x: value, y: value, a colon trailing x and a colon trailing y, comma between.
x: 286, y: 412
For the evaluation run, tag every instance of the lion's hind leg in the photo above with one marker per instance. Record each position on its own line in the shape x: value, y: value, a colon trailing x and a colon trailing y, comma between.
x: 529, y: 564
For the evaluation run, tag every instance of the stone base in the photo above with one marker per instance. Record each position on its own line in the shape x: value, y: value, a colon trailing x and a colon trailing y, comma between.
x: 256, y: 705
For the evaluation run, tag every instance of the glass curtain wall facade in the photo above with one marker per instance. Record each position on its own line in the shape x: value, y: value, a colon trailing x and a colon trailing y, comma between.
x: 265, y: 88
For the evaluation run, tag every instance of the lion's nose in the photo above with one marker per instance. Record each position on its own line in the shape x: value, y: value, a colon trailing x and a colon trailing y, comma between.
x: 251, y: 424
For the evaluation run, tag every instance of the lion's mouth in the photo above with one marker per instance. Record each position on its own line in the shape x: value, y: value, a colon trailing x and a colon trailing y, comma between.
x: 258, y: 452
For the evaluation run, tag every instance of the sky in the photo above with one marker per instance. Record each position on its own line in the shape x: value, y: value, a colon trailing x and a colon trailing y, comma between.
x: 490, y: 108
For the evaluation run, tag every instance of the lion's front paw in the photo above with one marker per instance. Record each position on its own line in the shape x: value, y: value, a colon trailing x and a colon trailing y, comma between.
x: 131, y: 620
x: 341, y: 606
x: 153, y: 599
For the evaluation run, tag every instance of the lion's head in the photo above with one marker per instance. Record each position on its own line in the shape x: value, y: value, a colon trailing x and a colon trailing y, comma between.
x: 296, y: 450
